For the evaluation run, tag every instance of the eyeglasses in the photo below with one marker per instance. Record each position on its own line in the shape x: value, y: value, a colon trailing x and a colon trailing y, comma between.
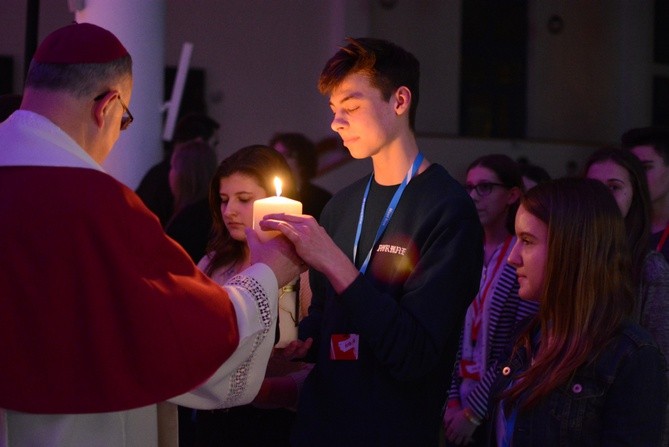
x: 127, y: 117
x: 482, y: 189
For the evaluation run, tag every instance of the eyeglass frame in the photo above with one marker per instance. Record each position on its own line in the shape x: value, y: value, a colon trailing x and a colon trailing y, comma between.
x: 126, y: 118
x: 487, y: 188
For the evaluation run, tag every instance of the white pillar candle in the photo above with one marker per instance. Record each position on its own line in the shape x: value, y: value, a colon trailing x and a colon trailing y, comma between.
x: 273, y: 205
x: 288, y: 313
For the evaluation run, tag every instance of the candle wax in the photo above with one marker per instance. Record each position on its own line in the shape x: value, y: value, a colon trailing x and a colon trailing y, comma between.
x: 273, y: 205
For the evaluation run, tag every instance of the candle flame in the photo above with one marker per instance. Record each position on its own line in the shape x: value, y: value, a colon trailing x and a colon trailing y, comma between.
x: 277, y: 185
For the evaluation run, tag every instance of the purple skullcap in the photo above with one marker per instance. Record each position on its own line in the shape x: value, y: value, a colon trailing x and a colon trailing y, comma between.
x: 80, y: 43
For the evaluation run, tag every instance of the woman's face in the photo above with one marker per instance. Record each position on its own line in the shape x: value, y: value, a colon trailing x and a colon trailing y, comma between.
x: 618, y: 181
x: 530, y: 254
x: 493, y: 205
x: 238, y: 192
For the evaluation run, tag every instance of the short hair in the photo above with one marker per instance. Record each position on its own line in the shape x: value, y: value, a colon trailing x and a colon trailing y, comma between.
x: 259, y: 162
x: 387, y: 66
x: 194, y: 163
x: 509, y: 174
x: 193, y: 126
x: 80, y: 80
x: 657, y: 137
x: 302, y: 149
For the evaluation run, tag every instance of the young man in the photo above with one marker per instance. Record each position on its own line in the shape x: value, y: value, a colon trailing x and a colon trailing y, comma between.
x: 651, y: 146
x: 394, y: 267
x: 101, y: 315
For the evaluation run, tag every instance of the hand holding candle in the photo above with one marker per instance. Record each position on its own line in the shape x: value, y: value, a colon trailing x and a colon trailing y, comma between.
x: 288, y: 303
x: 273, y: 205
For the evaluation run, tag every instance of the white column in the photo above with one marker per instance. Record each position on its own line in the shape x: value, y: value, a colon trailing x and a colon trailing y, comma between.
x: 140, y: 26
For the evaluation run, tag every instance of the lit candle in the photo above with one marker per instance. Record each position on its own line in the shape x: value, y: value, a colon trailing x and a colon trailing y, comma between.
x: 288, y: 307
x: 273, y: 205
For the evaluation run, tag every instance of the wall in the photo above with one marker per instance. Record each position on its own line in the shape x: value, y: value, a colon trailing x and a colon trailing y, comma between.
x: 591, y: 81
x: 436, y: 44
x: 262, y: 61
x: 588, y: 83
x: 53, y: 14
x: 585, y: 86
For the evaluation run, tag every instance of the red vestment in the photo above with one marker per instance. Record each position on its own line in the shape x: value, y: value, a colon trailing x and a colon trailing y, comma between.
x: 99, y: 310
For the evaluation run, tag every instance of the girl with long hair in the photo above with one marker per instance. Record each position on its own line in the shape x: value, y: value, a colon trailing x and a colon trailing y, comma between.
x: 242, y: 178
x: 495, y: 184
x: 624, y: 175
x: 192, y: 166
x: 580, y: 373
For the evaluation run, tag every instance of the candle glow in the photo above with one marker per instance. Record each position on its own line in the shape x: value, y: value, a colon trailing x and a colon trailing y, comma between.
x: 277, y: 186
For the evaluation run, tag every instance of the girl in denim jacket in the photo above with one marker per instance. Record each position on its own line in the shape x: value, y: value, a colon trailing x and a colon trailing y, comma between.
x: 625, y: 176
x: 581, y: 372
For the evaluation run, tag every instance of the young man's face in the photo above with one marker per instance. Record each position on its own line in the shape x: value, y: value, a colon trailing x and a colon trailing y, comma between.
x: 364, y: 121
x: 657, y: 172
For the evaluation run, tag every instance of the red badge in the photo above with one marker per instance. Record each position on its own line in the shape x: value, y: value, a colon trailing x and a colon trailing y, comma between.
x: 469, y: 370
x: 344, y: 346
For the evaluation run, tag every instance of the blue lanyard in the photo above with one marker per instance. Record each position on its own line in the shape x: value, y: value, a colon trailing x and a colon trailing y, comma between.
x: 387, y: 215
x: 509, y: 427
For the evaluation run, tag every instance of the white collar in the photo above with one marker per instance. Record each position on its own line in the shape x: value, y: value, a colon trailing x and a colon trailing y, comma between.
x: 30, y: 139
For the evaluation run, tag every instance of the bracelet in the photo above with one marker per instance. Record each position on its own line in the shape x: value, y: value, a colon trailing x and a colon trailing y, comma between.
x: 471, y: 417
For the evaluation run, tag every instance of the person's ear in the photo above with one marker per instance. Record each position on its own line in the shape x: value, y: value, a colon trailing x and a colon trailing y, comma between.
x: 402, y: 100
x: 101, y: 108
x: 514, y: 195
